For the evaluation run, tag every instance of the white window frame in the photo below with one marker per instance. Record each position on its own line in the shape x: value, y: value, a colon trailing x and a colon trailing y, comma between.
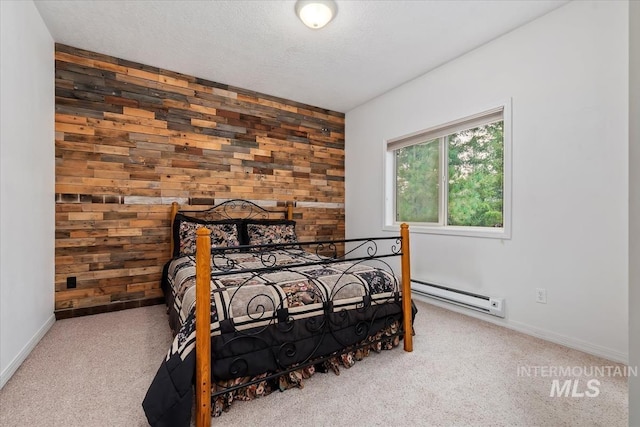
x: 389, y: 174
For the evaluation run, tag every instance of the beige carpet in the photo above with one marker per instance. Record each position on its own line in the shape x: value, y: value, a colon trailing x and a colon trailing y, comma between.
x: 95, y: 370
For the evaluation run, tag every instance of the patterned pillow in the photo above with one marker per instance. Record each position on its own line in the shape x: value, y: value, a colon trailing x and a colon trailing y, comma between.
x: 265, y: 232
x: 223, y: 234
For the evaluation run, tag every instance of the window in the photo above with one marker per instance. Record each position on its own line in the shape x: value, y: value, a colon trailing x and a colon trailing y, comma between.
x: 453, y: 178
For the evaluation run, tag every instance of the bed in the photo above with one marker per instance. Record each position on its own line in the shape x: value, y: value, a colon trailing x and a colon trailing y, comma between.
x: 271, y: 310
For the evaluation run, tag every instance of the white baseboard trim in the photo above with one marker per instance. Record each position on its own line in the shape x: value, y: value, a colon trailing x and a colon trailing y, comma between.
x: 26, y: 350
x: 574, y: 343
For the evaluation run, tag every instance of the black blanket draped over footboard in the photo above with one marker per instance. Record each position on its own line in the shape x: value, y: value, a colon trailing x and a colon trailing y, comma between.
x: 293, y: 309
x: 169, y: 399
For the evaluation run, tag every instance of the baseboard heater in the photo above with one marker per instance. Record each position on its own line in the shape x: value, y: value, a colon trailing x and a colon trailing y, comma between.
x: 485, y: 304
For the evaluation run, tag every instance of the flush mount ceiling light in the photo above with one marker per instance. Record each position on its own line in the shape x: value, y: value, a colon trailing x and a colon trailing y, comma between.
x: 316, y: 13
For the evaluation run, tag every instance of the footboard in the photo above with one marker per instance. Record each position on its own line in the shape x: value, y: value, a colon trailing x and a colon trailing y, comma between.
x: 361, y: 252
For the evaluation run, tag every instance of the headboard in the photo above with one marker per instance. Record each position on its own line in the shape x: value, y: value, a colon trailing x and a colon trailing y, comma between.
x: 232, y: 209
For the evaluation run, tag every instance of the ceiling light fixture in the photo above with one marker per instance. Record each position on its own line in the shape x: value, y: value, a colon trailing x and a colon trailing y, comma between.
x: 316, y: 13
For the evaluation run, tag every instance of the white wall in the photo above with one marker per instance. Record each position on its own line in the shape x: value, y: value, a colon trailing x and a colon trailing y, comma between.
x: 634, y: 209
x: 567, y: 75
x: 27, y: 162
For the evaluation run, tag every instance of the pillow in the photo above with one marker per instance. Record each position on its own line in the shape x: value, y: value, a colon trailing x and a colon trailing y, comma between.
x: 224, y: 233
x: 270, y: 231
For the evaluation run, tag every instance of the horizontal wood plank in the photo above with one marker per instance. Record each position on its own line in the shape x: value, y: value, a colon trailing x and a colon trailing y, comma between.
x: 131, y: 138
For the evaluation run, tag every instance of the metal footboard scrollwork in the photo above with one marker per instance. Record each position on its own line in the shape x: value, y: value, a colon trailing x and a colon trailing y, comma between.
x: 264, y: 311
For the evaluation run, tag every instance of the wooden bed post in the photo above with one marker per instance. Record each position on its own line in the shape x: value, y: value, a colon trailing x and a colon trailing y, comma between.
x: 174, y: 211
x: 289, y: 211
x: 203, y: 328
x: 406, y: 289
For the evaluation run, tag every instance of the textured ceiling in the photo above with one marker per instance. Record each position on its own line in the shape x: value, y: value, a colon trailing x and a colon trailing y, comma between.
x: 368, y: 49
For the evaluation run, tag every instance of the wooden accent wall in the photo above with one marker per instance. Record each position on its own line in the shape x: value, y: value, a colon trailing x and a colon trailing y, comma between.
x: 131, y: 139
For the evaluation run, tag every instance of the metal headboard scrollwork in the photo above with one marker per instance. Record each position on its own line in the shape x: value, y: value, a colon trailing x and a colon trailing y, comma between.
x: 233, y: 209
x: 240, y: 209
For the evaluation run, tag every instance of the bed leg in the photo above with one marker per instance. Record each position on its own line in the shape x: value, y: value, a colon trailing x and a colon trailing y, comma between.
x: 203, y: 328
x: 406, y: 289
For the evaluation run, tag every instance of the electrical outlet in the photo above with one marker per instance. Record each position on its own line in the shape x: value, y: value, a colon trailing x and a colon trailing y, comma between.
x: 71, y: 282
x: 541, y: 295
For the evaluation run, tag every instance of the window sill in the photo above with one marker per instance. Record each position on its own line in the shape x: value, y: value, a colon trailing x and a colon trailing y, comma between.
x: 489, y: 233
